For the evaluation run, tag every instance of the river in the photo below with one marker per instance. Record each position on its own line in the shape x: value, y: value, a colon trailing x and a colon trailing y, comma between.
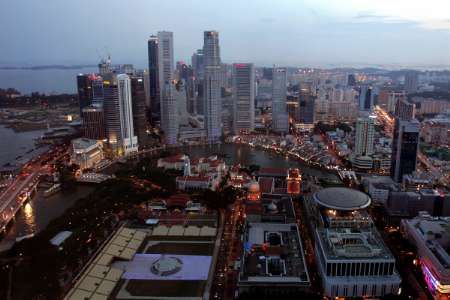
x: 245, y: 155
x: 38, y: 213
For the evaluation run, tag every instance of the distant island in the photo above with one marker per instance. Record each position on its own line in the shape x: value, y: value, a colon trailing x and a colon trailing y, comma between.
x: 47, y: 67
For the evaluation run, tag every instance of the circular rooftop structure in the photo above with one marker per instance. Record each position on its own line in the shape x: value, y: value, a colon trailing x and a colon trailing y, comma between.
x: 340, y: 198
x: 166, y: 266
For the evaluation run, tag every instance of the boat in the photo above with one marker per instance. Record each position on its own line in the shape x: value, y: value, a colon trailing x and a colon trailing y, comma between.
x: 24, y: 237
x: 52, y: 190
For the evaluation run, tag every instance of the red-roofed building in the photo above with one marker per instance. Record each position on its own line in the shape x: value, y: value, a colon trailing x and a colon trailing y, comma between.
x: 176, y: 162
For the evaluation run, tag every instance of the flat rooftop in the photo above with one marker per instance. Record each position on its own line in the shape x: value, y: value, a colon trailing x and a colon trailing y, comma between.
x: 340, y: 198
x: 353, y: 243
x: 273, y: 255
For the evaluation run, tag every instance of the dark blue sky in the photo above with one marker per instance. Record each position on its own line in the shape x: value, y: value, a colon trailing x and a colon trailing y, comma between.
x: 296, y: 32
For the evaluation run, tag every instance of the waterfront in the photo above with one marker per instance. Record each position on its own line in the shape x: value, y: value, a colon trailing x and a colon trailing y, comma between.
x: 245, y: 155
x: 16, y: 144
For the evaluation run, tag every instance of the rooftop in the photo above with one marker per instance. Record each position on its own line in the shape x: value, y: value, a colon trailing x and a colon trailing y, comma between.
x: 340, y: 198
x: 273, y: 254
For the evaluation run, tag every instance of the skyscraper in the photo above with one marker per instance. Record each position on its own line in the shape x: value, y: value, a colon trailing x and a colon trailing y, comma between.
x: 411, y: 82
x: 198, y: 64
x: 153, y: 77
x: 364, y: 136
x: 90, y: 90
x: 366, y: 98
x: 169, y: 108
x: 404, y: 148
x: 280, y: 121
x: 212, y: 86
x: 93, y: 125
x: 405, y: 110
x: 118, y: 110
x: 243, y: 98
x: 306, y: 106
x: 138, y: 97
x: 351, y: 80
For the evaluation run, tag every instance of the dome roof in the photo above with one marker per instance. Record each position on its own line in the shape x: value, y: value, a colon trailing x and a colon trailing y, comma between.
x: 340, y: 198
x: 253, y: 187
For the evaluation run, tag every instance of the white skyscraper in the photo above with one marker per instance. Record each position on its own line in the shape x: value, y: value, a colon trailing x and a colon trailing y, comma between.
x: 129, y: 140
x: 243, y: 98
x: 212, y: 86
x: 280, y: 121
x: 169, y: 109
x: 364, y: 136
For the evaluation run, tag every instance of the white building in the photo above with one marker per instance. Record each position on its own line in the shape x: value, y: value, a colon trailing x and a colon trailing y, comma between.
x: 169, y: 108
x: 212, y: 86
x: 86, y: 153
x: 352, y: 258
x: 129, y: 140
x: 364, y: 136
x: 280, y: 120
x: 243, y: 98
x: 431, y: 237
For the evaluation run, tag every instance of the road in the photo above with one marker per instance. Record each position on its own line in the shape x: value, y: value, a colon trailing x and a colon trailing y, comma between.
x: 13, y: 197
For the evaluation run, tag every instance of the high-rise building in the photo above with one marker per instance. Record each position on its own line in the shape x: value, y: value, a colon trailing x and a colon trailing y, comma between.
x: 411, y: 82
x: 153, y: 77
x: 405, y: 145
x: 169, y: 108
x: 405, y: 110
x: 243, y: 98
x: 198, y: 66
x: 280, y: 121
x: 93, y: 122
x: 118, y: 110
x: 138, y: 97
x: 351, y: 80
x: 306, y: 106
x: 366, y: 98
x: 364, y: 136
x: 90, y: 90
x: 105, y: 67
x: 212, y: 98
x: 352, y: 259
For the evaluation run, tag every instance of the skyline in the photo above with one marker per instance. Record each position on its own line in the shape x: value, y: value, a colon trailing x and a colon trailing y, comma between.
x: 316, y: 33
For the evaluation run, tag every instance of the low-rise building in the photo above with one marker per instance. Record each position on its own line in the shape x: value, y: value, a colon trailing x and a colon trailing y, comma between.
x: 86, y: 153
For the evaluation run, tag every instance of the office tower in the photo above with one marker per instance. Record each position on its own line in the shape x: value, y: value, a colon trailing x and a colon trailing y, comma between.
x: 243, y: 98
x: 180, y: 96
x: 118, y: 110
x: 183, y: 70
x: 212, y: 86
x: 351, y: 80
x: 104, y: 67
x: 405, y: 110
x: 146, y: 77
x: 198, y: 66
x: 93, y: 122
x: 411, y: 82
x: 365, y: 98
x: 90, y: 90
x: 267, y: 73
x: 393, y: 98
x: 280, y: 122
x: 192, y: 94
x: 153, y: 78
x: 306, y: 107
x: 138, y: 97
x: 169, y: 108
x: 364, y: 136
x: 404, y: 148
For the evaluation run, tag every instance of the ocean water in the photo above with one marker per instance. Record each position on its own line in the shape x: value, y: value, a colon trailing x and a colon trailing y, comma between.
x: 43, y: 81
